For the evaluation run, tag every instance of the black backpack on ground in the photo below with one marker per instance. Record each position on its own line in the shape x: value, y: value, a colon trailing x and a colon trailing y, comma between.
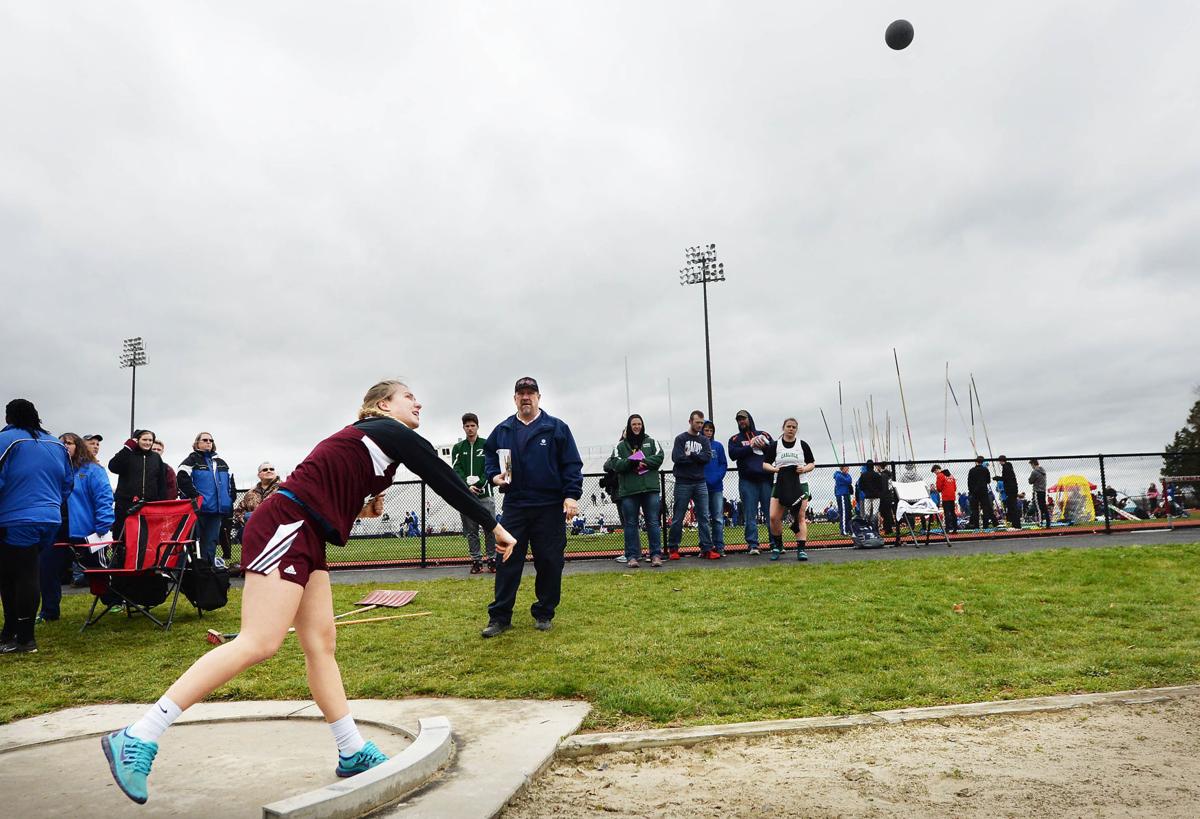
x: 206, y: 586
x: 148, y: 589
x: 865, y: 535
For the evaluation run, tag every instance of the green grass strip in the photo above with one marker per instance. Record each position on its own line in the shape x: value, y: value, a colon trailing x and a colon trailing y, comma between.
x: 650, y: 648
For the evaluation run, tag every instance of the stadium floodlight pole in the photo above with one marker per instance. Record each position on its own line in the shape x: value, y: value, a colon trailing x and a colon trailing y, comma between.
x: 701, y: 268
x: 133, y: 355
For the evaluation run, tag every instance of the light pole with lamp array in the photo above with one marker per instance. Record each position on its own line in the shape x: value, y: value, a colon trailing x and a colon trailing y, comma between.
x: 702, y: 267
x: 133, y: 355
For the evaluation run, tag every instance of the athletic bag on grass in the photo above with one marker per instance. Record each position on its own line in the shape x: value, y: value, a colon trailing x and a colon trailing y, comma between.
x: 205, y: 586
x: 865, y: 535
x: 149, y: 589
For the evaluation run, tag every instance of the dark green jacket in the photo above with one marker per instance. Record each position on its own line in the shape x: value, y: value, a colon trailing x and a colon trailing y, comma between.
x: 629, y: 481
x: 468, y: 460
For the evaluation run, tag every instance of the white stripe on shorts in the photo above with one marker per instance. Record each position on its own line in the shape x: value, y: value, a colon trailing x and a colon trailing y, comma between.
x: 276, y: 547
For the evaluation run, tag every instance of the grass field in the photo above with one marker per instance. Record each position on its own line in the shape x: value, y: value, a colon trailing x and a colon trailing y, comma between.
x: 649, y: 649
x: 454, y: 546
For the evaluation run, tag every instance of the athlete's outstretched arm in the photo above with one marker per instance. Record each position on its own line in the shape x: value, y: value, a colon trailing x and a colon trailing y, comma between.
x: 399, y: 442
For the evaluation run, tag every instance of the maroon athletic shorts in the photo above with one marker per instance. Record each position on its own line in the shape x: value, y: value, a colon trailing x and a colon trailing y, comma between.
x: 280, y: 536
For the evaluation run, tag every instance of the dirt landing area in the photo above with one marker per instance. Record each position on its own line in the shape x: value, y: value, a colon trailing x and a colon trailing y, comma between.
x: 1110, y: 761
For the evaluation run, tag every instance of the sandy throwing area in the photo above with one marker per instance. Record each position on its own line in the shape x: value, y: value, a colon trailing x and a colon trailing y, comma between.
x: 1108, y: 761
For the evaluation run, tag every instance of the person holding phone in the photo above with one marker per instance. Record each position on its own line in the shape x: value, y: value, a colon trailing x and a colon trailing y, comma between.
x: 140, y: 476
x: 467, y: 459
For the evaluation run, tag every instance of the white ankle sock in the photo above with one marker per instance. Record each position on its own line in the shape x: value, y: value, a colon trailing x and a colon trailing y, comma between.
x: 155, y: 721
x: 347, y: 737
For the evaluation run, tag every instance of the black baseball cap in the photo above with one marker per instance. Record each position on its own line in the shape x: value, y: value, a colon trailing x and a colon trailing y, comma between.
x: 526, y: 383
x: 95, y: 436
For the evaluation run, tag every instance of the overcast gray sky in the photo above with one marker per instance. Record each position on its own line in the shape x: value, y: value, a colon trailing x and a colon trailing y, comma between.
x: 290, y: 201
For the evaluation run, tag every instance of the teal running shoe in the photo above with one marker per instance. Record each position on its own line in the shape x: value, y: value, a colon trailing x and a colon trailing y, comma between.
x: 776, y: 554
x: 364, y: 760
x: 129, y: 759
x: 801, y: 555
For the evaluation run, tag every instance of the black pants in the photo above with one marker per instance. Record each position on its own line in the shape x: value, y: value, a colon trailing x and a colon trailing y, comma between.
x: 225, y: 539
x: 951, y: 518
x: 19, y: 591
x: 888, y: 508
x: 542, y: 530
x: 52, y: 560
x: 1012, y: 509
x: 1039, y: 499
x: 980, y: 500
x: 120, y: 512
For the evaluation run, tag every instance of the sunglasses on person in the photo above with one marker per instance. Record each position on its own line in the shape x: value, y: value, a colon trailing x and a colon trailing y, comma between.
x: 206, y: 440
x: 267, y: 469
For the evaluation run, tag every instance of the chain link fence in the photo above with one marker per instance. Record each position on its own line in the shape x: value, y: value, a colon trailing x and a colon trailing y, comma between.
x: 1085, y: 493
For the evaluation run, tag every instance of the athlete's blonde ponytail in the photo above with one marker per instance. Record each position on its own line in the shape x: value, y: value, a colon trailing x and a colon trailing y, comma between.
x: 380, y: 392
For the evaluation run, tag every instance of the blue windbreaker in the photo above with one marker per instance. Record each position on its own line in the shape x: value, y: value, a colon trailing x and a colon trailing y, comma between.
x: 715, y: 469
x: 91, y: 502
x: 545, y: 470
x: 35, y: 477
x: 843, y: 484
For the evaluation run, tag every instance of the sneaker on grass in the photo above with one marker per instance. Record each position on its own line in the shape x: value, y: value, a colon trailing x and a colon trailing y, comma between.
x: 129, y: 759
x: 364, y: 760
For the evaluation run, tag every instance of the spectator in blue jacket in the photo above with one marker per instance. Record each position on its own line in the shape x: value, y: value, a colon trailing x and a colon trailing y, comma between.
x: 843, y: 489
x: 754, y: 483
x: 89, y: 514
x: 532, y: 457
x: 205, y: 475
x: 714, y: 476
x: 35, y: 482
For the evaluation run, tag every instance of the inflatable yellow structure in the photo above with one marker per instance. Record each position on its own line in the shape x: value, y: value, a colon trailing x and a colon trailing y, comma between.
x: 1073, y: 499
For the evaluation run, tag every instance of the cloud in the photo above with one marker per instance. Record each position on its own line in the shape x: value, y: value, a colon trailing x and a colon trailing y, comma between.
x: 289, y: 204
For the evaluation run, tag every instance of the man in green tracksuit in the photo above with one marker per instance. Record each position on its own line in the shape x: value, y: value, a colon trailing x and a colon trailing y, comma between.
x: 467, y: 459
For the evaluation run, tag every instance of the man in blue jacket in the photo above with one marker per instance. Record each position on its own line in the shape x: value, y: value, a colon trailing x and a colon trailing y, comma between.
x: 754, y: 483
x: 205, y: 475
x: 691, y: 452
x: 35, y: 482
x: 532, y: 457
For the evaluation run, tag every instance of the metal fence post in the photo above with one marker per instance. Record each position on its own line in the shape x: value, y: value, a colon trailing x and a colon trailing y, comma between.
x: 1104, y: 496
x: 424, y: 524
x: 662, y: 506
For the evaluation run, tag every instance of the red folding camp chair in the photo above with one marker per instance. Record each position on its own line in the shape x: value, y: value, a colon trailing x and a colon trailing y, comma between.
x: 147, y: 566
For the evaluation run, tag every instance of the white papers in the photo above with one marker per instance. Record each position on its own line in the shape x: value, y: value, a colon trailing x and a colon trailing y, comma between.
x: 505, y: 456
x: 98, y: 542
